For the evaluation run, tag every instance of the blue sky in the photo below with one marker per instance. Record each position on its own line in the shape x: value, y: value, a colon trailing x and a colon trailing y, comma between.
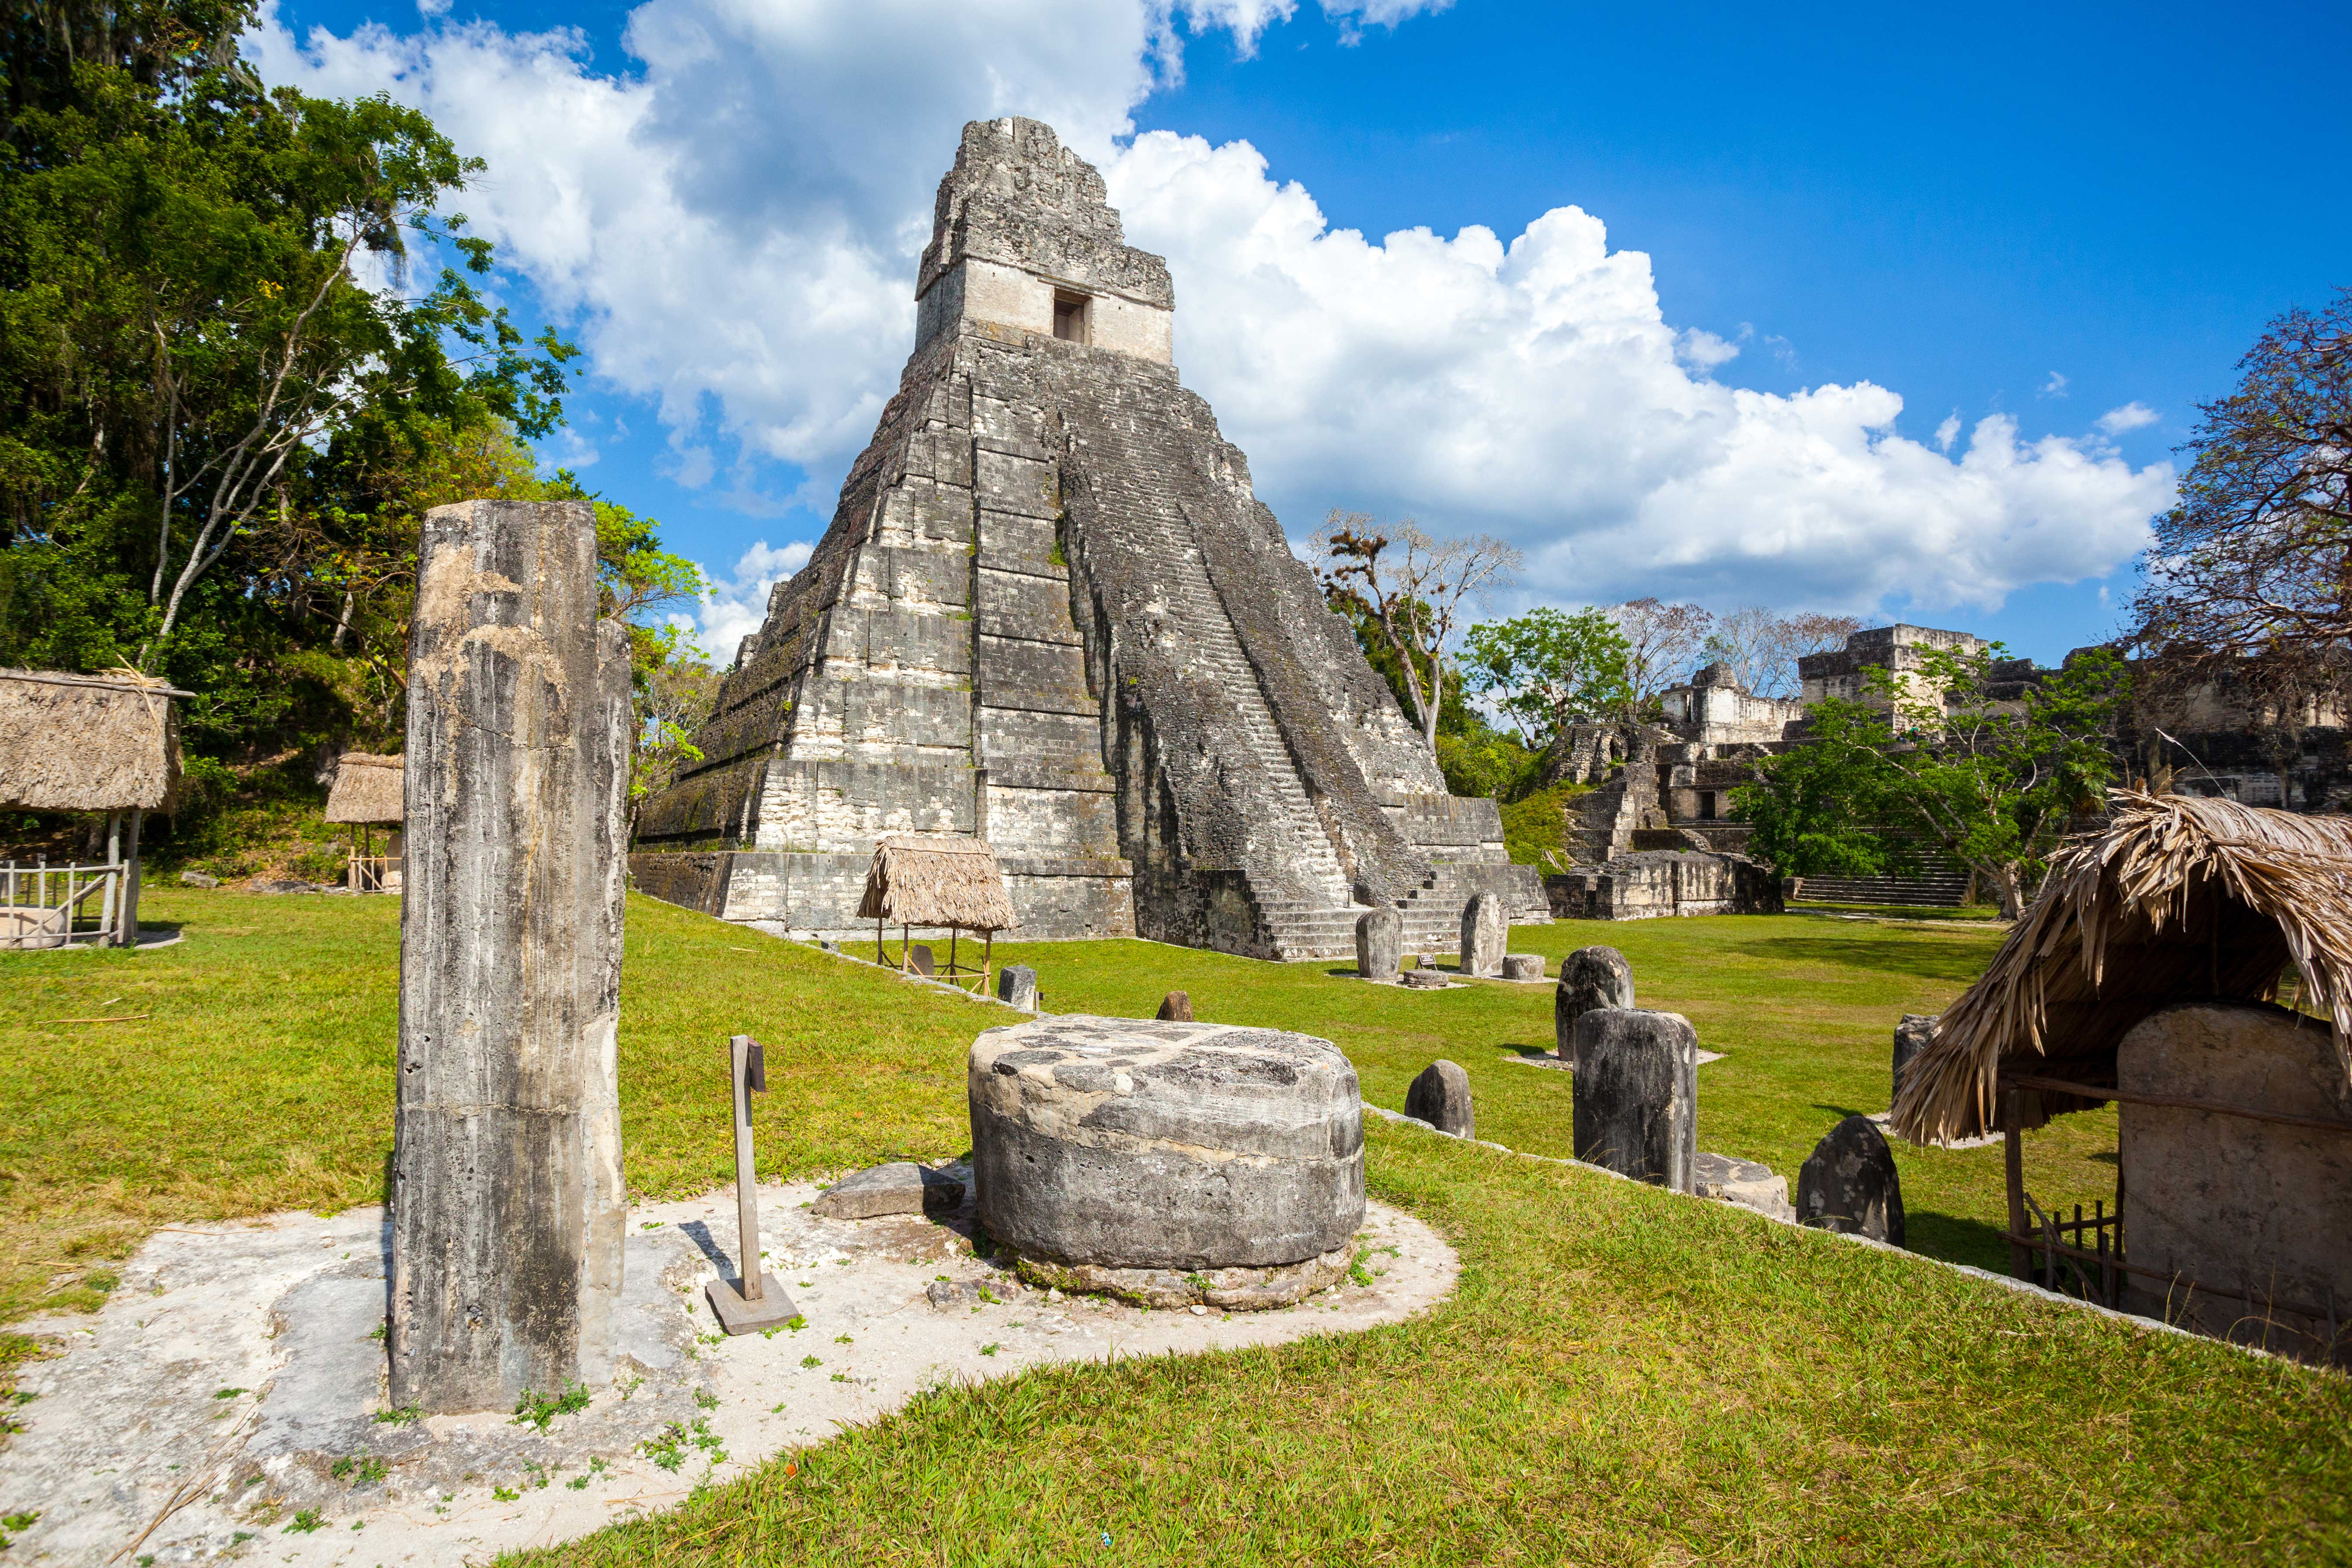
x: 2040, y: 217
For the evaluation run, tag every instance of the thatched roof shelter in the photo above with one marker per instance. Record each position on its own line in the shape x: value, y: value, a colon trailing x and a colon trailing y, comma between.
x: 367, y: 789
x: 917, y: 881
x: 2180, y: 900
x: 88, y: 742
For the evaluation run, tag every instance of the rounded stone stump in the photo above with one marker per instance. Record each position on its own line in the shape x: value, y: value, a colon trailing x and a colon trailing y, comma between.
x: 1380, y: 943
x: 1523, y: 967
x: 1176, y: 1008
x: 1635, y: 1103
x: 1849, y: 1184
x: 1167, y: 1162
x: 1017, y: 986
x: 1485, y: 926
x: 1911, y: 1036
x: 1590, y: 977
x: 1440, y: 1097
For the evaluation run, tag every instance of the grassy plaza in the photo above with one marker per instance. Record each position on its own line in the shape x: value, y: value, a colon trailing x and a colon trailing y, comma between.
x: 1622, y: 1376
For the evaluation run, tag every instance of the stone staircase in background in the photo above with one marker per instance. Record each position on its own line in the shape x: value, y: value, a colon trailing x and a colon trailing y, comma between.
x: 1304, y: 903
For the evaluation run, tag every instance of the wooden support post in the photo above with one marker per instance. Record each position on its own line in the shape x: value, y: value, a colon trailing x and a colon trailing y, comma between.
x: 2012, y: 1163
x: 129, y: 902
x: 109, y: 922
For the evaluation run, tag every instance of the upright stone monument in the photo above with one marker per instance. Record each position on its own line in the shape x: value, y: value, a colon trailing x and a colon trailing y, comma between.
x: 1590, y: 977
x: 507, y: 1199
x: 1912, y: 1035
x: 1849, y: 1184
x: 1485, y: 926
x: 1380, y: 943
x: 1636, y: 1097
x: 1051, y: 611
x: 1440, y: 1097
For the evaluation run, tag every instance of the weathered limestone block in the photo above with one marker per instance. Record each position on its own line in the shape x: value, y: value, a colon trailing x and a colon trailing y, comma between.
x: 1017, y: 986
x: 1485, y: 926
x: 1636, y: 1096
x: 1523, y: 967
x: 1176, y: 1008
x: 899, y: 1187
x: 1440, y: 1097
x: 1849, y: 1183
x: 1425, y: 979
x: 507, y: 1187
x: 1128, y: 1143
x: 1590, y: 977
x: 1911, y: 1036
x: 1746, y: 1183
x: 1380, y: 943
x: 2231, y: 1202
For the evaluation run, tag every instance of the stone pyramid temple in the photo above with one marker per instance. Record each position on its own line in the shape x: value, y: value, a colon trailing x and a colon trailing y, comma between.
x: 1050, y: 612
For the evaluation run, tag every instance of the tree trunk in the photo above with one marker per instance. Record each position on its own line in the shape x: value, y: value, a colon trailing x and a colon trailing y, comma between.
x: 2009, y: 888
x: 507, y: 1189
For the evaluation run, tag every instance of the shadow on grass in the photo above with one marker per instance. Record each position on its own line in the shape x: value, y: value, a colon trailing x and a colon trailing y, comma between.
x: 1928, y: 960
x: 1956, y: 1239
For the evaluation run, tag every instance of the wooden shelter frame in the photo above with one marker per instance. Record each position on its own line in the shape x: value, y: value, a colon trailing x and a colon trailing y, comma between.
x: 956, y: 972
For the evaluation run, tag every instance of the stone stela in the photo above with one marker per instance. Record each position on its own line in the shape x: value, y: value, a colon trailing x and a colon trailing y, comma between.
x: 508, y: 1199
x: 1050, y: 612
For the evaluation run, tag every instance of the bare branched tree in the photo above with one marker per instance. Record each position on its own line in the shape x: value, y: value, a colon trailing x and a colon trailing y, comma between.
x: 1663, y: 642
x: 1417, y: 589
x: 2251, y: 576
x: 1762, y: 646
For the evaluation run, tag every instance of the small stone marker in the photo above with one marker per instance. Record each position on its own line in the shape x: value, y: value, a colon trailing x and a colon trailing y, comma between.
x: 754, y: 1300
x: 1523, y: 967
x: 918, y: 959
x: 1440, y: 1097
x: 1743, y: 1182
x: 1590, y: 977
x: 1637, y: 1097
x: 1911, y: 1036
x: 199, y: 879
x: 1485, y: 926
x: 509, y: 1219
x: 1017, y: 986
x: 1850, y: 1185
x: 1176, y: 1008
x: 901, y: 1187
x: 1425, y: 979
x: 1380, y: 943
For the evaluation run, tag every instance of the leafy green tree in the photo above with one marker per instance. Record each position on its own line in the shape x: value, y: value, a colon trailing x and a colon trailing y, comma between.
x: 1937, y: 757
x: 1547, y: 669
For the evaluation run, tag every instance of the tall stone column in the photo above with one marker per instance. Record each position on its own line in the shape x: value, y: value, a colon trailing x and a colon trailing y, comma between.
x: 507, y: 1192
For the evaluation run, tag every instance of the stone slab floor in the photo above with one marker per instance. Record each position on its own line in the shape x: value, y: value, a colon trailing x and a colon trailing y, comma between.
x: 226, y: 1398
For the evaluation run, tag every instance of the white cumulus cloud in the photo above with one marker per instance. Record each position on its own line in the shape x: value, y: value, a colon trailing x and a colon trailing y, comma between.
x: 731, y: 226
x: 2130, y: 416
x: 733, y: 607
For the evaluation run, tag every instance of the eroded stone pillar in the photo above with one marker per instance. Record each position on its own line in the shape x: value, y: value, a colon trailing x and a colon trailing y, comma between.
x: 1635, y: 1103
x: 507, y: 1191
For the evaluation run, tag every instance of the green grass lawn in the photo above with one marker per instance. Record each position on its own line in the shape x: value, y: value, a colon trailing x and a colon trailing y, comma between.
x: 1623, y: 1377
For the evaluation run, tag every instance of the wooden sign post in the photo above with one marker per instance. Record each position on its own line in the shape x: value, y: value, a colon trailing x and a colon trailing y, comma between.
x: 755, y: 1300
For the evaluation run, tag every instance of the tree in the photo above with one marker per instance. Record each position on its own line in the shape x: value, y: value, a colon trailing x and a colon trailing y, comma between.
x: 1934, y: 761
x: 200, y: 302
x: 1416, y: 589
x: 1662, y: 642
x: 1762, y: 646
x: 2251, y: 575
x: 1547, y: 669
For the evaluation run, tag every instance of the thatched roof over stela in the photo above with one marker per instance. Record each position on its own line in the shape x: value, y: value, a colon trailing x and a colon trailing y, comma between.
x: 2179, y: 899
x: 918, y: 881
x: 88, y: 742
x: 367, y: 789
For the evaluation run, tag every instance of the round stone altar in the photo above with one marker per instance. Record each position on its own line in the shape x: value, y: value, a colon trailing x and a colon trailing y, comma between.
x: 1168, y: 1163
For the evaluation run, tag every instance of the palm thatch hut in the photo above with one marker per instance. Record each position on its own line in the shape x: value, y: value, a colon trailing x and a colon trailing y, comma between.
x: 936, y: 882
x: 2146, y: 974
x: 370, y: 791
x: 84, y: 742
